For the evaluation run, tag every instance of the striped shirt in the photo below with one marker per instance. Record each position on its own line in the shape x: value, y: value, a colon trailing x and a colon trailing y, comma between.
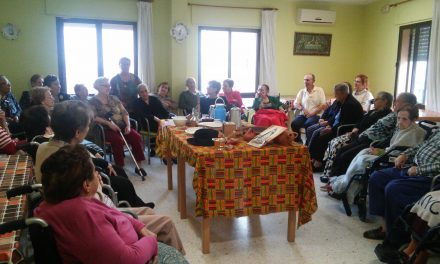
x: 5, y: 139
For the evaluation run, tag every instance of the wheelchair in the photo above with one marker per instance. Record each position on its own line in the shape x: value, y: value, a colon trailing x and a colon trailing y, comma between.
x: 382, y: 162
x: 40, y: 233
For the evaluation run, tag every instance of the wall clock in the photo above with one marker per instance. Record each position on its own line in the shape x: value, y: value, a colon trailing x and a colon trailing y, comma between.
x: 10, y: 31
x: 179, y: 32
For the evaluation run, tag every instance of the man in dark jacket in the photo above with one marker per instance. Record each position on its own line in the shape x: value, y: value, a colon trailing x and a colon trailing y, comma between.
x: 350, y: 112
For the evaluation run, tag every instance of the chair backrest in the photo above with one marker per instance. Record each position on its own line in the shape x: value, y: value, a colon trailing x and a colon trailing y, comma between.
x: 43, y: 242
x: 428, y: 126
x: 41, y: 234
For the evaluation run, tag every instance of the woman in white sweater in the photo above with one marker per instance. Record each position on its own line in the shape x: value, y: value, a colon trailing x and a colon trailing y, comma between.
x: 361, y: 92
x: 407, y: 134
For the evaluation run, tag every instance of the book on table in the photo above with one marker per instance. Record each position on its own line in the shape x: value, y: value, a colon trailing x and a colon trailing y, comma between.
x: 266, y: 136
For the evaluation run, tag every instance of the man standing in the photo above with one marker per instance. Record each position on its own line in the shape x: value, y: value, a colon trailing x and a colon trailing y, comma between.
x: 311, y: 101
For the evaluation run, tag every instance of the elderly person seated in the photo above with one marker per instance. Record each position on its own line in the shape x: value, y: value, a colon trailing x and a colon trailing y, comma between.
x: 233, y: 97
x: 361, y: 92
x: 110, y: 113
x: 211, y: 96
x: 267, y: 109
x: 311, y: 101
x: 382, y: 130
x: 8, y: 145
x: 189, y: 99
x: 327, y: 118
x: 163, y: 93
x: 350, y: 112
x: 53, y: 83
x: 148, y: 107
x: 35, y: 121
x: 25, y: 99
x: 382, y: 107
x: 423, y: 216
x: 42, y: 96
x: 70, y: 120
x: 391, y: 190
x: 9, y: 105
x: 85, y: 229
x: 81, y: 92
x: 407, y: 134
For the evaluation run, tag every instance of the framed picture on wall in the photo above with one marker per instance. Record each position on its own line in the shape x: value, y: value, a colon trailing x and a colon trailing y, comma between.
x: 312, y: 44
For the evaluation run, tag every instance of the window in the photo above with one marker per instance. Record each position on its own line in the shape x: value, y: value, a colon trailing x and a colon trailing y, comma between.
x: 412, y: 60
x: 229, y: 53
x: 91, y: 48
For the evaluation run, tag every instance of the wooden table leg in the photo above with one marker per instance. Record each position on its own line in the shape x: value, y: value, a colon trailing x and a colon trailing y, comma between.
x: 206, y: 235
x: 291, y: 225
x: 169, y: 168
x: 182, y: 186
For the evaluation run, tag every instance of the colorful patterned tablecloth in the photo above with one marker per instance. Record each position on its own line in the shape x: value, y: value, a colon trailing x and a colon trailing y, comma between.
x: 246, y: 180
x: 14, y: 171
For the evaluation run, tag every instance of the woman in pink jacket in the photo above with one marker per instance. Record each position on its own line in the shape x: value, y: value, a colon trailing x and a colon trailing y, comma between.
x: 85, y: 229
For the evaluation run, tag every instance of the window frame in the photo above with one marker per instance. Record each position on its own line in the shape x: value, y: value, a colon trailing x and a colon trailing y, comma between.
x: 415, y: 26
x: 60, y: 21
x: 230, y: 30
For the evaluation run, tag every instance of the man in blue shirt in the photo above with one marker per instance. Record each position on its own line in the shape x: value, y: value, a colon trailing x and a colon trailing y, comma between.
x: 9, y: 104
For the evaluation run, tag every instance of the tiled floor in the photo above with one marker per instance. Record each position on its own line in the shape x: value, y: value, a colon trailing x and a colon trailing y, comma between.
x: 331, y: 237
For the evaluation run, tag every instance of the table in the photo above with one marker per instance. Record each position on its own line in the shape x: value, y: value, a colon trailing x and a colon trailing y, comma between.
x: 242, y: 181
x: 429, y: 115
x: 14, y: 172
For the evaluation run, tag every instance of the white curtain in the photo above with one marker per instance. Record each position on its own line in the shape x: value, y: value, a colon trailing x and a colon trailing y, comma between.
x: 267, y: 50
x: 145, y: 44
x: 433, y: 78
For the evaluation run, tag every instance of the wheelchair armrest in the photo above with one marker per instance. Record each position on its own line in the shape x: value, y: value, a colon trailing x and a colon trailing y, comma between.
x: 435, y: 183
x: 134, y: 124
x: 111, y: 193
x: 130, y: 213
x: 25, y: 189
x: 344, y: 128
x: 105, y: 177
x: 385, y: 157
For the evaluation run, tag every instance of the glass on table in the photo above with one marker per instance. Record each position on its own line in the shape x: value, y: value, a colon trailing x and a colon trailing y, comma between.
x: 219, y: 143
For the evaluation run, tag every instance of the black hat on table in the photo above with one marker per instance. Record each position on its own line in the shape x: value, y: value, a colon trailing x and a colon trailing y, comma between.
x: 203, y: 137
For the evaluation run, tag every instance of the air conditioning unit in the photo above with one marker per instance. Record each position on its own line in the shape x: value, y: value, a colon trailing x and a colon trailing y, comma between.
x: 315, y: 16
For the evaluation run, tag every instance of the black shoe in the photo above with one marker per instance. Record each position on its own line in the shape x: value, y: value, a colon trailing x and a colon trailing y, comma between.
x: 337, y: 196
x: 388, y: 254
x: 375, y: 234
x: 324, y: 179
x: 150, y: 204
x: 152, y: 153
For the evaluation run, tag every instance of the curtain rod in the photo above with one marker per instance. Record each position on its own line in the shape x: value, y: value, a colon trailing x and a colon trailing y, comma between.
x: 239, y: 7
x: 399, y: 3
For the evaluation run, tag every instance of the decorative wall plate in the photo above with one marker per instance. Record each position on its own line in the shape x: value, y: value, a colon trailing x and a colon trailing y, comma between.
x: 179, y: 32
x: 10, y: 31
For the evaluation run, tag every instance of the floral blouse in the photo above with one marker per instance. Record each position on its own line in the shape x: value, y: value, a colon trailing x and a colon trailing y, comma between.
x: 113, y: 110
